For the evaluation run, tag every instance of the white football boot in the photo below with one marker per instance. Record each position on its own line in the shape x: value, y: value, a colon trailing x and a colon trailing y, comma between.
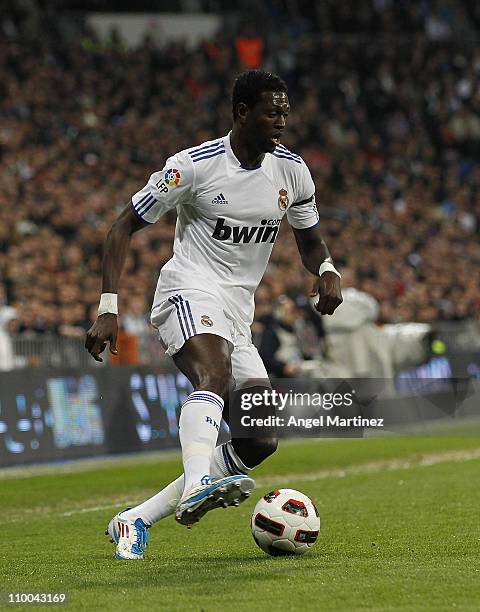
x: 113, y: 529
x: 212, y: 493
x: 131, y: 537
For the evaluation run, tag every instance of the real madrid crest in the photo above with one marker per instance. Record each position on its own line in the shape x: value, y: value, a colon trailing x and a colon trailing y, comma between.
x: 283, y: 199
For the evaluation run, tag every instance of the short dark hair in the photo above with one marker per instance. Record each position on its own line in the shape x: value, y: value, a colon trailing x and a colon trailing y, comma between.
x: 249, y: 86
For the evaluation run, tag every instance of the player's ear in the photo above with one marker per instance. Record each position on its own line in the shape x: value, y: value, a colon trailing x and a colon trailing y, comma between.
x: 242, y: 112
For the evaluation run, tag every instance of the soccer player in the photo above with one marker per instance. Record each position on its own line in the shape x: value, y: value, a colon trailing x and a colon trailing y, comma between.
x: 231, y: 194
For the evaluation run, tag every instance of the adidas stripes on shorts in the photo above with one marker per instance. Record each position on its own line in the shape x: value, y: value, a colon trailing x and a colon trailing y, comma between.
x: 192, y: 312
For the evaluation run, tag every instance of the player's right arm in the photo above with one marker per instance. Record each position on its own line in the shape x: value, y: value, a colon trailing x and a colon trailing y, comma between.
x: 165, y: 190
x: 116, y: 247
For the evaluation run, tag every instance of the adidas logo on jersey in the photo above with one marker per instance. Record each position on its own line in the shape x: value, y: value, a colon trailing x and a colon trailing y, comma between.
x: 219, y: 199
x: 266, y: 232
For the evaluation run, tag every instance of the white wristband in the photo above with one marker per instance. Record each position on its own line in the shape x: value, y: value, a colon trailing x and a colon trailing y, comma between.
x: 326, y: 266
x: 108, y: 303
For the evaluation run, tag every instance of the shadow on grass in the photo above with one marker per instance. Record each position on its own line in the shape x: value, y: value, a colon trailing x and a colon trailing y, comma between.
x: 193, y: 570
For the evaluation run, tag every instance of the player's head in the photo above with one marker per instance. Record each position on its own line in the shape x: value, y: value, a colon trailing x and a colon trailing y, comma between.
x: 260, y: 107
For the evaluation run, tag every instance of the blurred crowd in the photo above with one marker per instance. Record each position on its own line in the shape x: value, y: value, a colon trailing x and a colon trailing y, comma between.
x: 385, y: 111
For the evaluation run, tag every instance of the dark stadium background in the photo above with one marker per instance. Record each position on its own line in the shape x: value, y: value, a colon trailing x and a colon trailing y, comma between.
x: 385, y: 111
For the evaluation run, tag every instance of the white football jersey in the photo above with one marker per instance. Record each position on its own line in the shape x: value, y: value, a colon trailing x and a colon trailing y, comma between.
x: 228, y: 218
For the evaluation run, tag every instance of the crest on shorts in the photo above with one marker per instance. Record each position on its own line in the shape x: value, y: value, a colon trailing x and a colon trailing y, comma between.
x: 206, y: 320
x: 283, y: 199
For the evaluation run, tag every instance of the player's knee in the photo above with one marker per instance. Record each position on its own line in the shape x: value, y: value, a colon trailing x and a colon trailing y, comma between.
x: 217, y: 378
x: 265, y: 447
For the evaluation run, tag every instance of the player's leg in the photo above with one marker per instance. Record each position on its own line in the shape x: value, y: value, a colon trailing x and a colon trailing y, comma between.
x: 163, y: 504
x: 236, y: 457
x: 249, y: 446
x: 197, y: 334
x: 206, y: 361
x: 199, y: 338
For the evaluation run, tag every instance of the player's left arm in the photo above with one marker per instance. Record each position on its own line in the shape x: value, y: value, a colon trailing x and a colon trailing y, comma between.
x: 317, y: 259
x: 303, y: 216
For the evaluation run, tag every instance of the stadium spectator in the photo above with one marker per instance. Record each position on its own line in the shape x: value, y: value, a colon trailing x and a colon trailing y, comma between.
x: 8, y: 318
x: 283, y: 335
x: 356, y: 347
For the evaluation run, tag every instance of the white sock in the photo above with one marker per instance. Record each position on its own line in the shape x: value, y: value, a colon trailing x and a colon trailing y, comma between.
x: 163, y: 504
x: 199, y: 425
x: 226, y: 462
x: 159, y: 506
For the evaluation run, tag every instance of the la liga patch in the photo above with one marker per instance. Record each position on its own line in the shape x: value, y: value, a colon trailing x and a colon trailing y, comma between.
x: 172, y: 177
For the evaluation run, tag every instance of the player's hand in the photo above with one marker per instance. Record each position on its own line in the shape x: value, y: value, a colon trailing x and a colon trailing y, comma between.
x: 104, y: 330
x: 328, y: 291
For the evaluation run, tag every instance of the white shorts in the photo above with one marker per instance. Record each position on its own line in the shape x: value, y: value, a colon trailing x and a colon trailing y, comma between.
x: 182, y: 316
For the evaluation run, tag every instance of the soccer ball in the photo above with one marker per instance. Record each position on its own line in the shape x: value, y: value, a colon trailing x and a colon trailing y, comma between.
x: 285, y: 522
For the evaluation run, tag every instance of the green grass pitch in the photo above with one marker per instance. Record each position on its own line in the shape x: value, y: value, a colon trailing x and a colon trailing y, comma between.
x: 400, y: 531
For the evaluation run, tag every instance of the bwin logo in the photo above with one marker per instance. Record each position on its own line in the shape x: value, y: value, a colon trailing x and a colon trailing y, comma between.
x: 267, y: 232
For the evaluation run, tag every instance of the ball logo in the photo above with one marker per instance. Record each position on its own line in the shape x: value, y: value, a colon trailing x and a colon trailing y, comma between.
x: 295, y: 507
x: 172, y: 177
x: 283, y: 199
x: 269, y: 497
x: 206, y: 320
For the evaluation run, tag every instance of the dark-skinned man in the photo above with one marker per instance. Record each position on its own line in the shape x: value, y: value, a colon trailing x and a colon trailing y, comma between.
x: 231, y: 195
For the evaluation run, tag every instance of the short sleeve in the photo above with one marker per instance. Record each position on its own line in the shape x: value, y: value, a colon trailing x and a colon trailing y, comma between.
x: 303, y: 213
x: 165, y: 189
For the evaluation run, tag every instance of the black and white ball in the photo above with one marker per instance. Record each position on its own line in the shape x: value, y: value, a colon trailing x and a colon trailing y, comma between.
x: 285, y: 522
